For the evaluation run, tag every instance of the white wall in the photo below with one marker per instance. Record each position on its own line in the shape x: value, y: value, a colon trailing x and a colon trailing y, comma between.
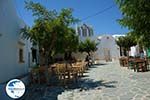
x: 10, y: 25
x: 109, y: 44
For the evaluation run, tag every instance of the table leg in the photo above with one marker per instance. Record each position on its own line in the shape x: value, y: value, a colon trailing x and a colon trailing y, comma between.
x: 137, y: 67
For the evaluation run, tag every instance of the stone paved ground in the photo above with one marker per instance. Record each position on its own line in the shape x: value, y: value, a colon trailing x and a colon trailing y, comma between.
x: 107, y: 81
x: 111, y: 82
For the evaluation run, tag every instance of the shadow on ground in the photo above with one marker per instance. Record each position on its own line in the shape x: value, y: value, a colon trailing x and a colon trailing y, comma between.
x: 89, y: 84
x: 51, y: 92
x: 100, y: 64
x: 97, y: 65
x: 43, y: 92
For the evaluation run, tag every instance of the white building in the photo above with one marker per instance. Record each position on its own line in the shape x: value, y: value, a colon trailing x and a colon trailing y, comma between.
x: 108, y: 49
x: 14, y: 60
x: 134, y: 50
x: 14, y: 51
x: 84, y: 31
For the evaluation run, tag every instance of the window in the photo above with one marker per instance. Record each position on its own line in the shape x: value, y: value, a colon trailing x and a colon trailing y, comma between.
x: 21, y: 56
x: 20, y: 46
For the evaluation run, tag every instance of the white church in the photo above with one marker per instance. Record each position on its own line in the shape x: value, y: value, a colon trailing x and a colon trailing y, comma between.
x: 107, y: 47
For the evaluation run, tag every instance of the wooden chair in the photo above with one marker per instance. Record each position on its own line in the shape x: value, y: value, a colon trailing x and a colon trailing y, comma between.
x: 131, y: 64
x: 42, y: 74
x: 141, y: 65
x: 121, y: 61
x: 61, y: 73
x: 77, y: 67
x: 74, y: 73
x: 148, y: 63
x: 34, y: 76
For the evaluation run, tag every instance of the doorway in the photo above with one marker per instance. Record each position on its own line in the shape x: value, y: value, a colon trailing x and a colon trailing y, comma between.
x: 107, y: 54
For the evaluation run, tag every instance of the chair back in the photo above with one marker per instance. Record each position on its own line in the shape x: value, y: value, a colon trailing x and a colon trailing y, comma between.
x: 60, y: 68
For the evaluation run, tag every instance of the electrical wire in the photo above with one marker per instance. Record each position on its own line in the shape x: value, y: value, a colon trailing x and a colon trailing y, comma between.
x: 98, y: 13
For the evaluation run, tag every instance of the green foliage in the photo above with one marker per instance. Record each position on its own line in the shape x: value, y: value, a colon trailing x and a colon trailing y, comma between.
x: 136, y: 17
x: 87, y: 46
x: 120, y: 41
x: 67, y: 43
x: 51, y: 30
x: 40, y: 12
x: 126, y: 42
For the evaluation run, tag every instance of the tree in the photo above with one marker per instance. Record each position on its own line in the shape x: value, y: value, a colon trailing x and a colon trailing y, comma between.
x: 49, y: 29
x: 120, y: 43
x: 88, y: 46
x: 125, y: 42
x: 67, y: 44
x: 136, y: 17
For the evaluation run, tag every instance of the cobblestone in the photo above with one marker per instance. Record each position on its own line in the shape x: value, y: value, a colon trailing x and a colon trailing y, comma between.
x: 108, y: 81
x: 117, y: 83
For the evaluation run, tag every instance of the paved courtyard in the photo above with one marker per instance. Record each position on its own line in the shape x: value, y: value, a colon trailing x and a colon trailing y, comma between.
x: 107, y: 81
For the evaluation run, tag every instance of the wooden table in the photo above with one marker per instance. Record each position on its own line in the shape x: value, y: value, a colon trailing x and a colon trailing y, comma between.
x: 66, y: 71
x: 124, y: 61
x: 140, y: 64
x: 38, y: 75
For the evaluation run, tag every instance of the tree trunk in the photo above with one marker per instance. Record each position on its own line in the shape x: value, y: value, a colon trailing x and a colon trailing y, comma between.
x: 65, y: 56
x: 120, y: 51
x: 124, y: 52
x: 47, y: 65
x: 128, y: 53
x: 42, y: 58
x: 88, y: 53
x: 46, y: 60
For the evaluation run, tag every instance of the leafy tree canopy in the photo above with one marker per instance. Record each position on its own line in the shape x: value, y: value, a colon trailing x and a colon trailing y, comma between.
x: 51, y: 30
x: 126, y: 41
x: 136, y: 17
x: 88, y: 46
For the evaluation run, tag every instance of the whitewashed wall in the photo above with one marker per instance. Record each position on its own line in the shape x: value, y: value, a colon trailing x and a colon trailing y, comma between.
x: 110, y: 44
x: 10, y: 25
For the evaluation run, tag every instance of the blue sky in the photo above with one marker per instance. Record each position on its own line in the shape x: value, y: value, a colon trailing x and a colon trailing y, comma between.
x: 104, y: 23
